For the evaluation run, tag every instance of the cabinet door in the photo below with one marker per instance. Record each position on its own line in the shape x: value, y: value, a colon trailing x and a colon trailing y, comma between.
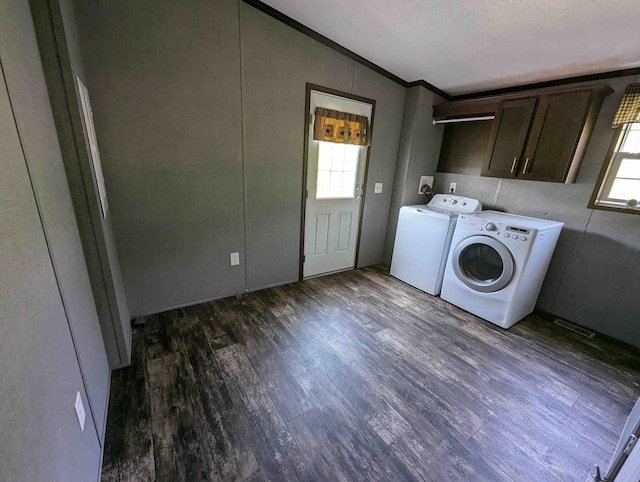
x: 554, y: 135
x: 508, y: 136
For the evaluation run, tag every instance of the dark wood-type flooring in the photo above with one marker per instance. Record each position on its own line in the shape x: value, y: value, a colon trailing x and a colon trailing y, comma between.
x: 357, y: 376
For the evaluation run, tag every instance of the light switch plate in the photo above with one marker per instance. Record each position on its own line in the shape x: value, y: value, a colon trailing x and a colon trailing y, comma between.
x: 425, y: 180
x: 235, y: 259
x: 377, y: 189
x: 80, y: 413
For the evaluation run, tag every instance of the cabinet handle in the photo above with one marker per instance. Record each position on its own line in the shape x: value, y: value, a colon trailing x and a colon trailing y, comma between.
x: 526, y: 165
x: 514, y: 164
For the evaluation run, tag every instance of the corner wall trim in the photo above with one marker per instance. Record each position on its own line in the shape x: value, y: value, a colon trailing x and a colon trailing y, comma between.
x: 431, y: 87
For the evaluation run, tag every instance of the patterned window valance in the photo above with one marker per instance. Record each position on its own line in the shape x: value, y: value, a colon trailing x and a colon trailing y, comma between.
x: 341, y: 127
x: 629, y: 110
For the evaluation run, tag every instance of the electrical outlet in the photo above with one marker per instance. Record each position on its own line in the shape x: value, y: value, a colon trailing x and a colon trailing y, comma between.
x: 235, y: 259
x: 80, y: 413
x: 452, y: 187
x: 428, y: 180
x: 377, y: 189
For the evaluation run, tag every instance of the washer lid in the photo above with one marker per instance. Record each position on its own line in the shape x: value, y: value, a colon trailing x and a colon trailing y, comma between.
x: 458, y: 204
x: 426, y: 210
x: 483, y: 264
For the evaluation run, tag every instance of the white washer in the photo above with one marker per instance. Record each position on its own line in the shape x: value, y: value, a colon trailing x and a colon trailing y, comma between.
x: 423, y: 238
x: 497, y: 264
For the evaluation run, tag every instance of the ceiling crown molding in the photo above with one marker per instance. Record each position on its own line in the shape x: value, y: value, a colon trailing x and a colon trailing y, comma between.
x: 276, y: 14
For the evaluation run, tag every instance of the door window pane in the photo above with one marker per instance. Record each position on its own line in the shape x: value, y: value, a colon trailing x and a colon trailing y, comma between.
x: 324, y: 181
x: 336, y: 184
x: 337, y: 170
x: 481, y: 263
x: 324, y: 163
x: 348, y: 178
x: 337, y: 161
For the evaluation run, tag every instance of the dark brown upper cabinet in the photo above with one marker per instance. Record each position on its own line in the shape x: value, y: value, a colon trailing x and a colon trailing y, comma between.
x: 508, y: 137
x: 538, y: 135
x: 555, y: 134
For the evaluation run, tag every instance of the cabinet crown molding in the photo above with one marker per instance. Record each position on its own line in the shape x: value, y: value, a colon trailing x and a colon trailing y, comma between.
x: 489, y: 105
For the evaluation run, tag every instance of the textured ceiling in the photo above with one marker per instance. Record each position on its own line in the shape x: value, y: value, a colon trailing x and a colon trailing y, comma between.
x: 463, y: 46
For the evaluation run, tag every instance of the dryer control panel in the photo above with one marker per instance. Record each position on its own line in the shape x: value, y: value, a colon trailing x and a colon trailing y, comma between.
x: 517, y: 233
x: 509, y: 234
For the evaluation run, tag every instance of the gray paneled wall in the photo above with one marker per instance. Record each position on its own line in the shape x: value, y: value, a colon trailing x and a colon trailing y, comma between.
x: 277, y: 61
x: 164, y: 78
x: 47, y: 321
x: 27, y: 89
x: 382, y: 164
x: 199, y: 108
x: 418, y: 156
x: 594, y: 273
x: 30, y: 103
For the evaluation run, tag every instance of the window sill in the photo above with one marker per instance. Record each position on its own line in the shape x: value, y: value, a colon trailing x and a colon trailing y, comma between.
x: 611, y: 207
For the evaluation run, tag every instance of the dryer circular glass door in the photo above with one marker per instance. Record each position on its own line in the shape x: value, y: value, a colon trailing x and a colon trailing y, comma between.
x: 483, y: 264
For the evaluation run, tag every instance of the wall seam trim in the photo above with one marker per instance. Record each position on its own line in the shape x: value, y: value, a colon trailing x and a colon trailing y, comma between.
x: 573, y: 253
x: 243, y: 150
x: 498, y: 189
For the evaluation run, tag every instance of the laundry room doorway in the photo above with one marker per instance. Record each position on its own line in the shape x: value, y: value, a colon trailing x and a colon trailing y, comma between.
x: 337, y: 145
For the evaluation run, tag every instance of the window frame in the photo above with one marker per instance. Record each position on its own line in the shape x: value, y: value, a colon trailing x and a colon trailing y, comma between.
x: 606, y: 177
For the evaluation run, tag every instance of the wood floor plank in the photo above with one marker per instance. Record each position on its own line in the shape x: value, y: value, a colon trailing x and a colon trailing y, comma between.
x: 510, y: 458
x: 543, y: 415
x: 419, y: 459
x: 318, y: 449
x: 271, y: 355
x: 221, y: 430
x: 129, y: 440
x: 407, y: 380
x: 178, y: 456
x: 358, y: 376
x: 356, y: 446
x: 274, y: 447
x: 424, y: 410
x: 554, y: 372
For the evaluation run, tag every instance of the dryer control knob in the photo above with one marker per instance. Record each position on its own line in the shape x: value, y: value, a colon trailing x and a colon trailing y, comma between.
x: 491, y: 227
x: 453, y: 201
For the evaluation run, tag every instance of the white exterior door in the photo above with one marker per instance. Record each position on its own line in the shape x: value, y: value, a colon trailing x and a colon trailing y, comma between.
x: 335, y: 176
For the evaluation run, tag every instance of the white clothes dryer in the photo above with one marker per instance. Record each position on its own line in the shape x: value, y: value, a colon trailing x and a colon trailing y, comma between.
x: 497, y: 264
x: 423, y: 237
